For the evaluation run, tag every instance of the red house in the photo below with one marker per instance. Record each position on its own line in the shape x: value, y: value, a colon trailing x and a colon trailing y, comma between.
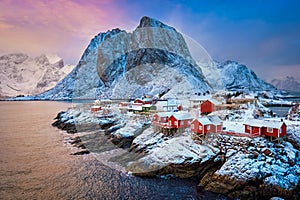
x: 180, y: 120
x: 208, y: 106
x: 95, y: 108
x: 161, y: 119
x: 143, y: 101
x: 265, y: 128
x: 204, y: 125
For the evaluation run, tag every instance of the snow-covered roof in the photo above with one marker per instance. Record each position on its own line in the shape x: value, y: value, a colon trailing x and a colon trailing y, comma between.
x: 214, y: 101
x: 95, y: 106
x: 182, y: 116
x: 137, y: 108
x: 199, y: 98
x: 215, y: 120
x: 204, y: 120
x: 263, y: 123
x: 146, y: 106
x: 167, y: 103
x: 164, y: 114
x: 144, y: 99
x: 147, y: 99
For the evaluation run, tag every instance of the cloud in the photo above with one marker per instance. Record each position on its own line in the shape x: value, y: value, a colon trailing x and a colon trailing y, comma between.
x: 43, y: 26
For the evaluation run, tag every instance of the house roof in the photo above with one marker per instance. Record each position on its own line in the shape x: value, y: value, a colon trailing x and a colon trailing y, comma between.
x: 263, y: 123
x: 182, y: 116
x: 164, y: 114
x: 199, y: 98
x: 144, y: 99
x: 214, y: 101
x: 204, y: 120
x: 215, y: 120
x: 137, y: 108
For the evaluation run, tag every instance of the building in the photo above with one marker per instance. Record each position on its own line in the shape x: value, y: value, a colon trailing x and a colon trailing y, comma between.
x: 143, y: 101
x: 166, y: 105
x: 161, y: 119
x: 180, y: 120
x: 257, y: 127
x: 95, y: 108
x: 195, y: 101
x: 208, y: 124
x: 208, y: 106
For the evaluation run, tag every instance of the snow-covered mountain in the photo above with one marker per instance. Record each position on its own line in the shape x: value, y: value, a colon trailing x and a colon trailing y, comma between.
x: 153, y: 59
x: 23, y: 75
x: 289, y: 84
x: 236, y: 76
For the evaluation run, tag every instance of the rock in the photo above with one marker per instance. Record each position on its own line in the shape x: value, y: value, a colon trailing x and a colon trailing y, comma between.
x: 81, y: 153
x: 266, y: 151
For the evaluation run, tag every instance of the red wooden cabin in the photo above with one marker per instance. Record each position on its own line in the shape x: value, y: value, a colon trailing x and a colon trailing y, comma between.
x: 161, y: 119
x: 265, y: 128
x: 204, y: 125
x: 208, y: 106
x: 180, y: 120
x: 95, y: 108
x: 143, y: 101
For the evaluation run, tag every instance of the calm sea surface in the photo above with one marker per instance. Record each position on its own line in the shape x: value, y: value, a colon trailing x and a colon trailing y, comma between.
x: 35, y: 163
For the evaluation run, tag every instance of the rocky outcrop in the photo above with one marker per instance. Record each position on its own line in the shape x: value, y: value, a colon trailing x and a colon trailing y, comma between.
x: 255, y: 168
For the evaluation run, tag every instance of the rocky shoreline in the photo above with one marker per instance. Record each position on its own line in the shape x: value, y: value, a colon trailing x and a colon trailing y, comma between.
x: 237, y: 167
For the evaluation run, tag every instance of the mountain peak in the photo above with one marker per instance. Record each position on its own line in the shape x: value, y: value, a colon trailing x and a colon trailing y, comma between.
x: 151, y: 22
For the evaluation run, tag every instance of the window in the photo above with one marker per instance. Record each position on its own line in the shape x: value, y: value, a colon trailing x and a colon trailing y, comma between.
x: 181, y: 123
x: 208, y: 127
x: 175, y: 123
x: 192, y: 126
x: 270, y: 130
x: 280, y: 131
x: 200, y: 128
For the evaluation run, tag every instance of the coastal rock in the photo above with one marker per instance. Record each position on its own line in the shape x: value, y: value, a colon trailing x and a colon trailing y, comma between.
x: 261, y: 176
x: 179, y: 156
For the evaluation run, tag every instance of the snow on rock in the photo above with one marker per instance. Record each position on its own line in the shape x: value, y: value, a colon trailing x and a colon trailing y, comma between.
x: 171, y: 155
x: 290, y: 83
x: 23, y: 75
x: 153, y: 59
x: 263, y: 164
x: 293, y: 135
x: 236, y: 76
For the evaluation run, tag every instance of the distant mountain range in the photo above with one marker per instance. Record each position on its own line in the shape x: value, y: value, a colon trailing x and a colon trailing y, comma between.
x: 288, y: 84
x: 23, y: 75
x: 154, y: 59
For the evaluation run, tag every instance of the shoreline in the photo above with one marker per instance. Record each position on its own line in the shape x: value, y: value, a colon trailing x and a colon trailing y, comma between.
x: 256, y: 151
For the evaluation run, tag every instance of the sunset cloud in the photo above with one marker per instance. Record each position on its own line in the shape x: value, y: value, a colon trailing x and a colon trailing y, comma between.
x: 264, y: 35
x: 58, y: 26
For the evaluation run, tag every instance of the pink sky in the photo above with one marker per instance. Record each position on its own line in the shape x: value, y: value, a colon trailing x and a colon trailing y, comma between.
x: 62, y: 27
x: 264, y: 37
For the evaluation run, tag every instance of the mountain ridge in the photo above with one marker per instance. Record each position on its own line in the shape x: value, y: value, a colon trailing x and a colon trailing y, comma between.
x: 24, y: 75
x: 153, y: 59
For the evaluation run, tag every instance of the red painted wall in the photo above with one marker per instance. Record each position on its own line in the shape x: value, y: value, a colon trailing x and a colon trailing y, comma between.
x: 207, y: 107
